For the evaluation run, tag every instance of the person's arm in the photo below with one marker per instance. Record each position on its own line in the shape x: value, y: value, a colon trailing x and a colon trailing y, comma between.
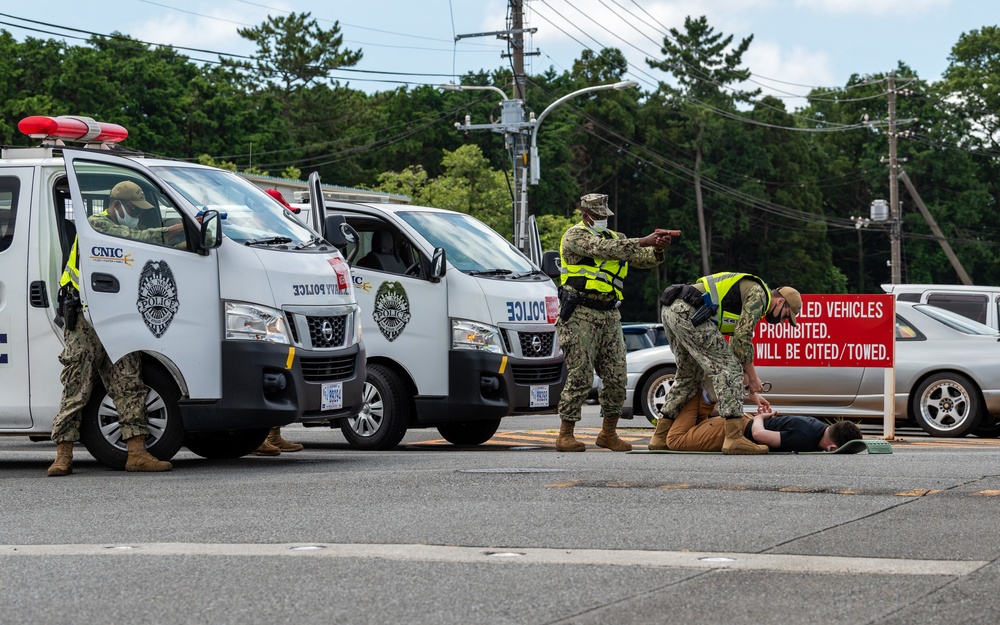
x: 762, y: 435
x: 754, y: 307
x: 586, y: 244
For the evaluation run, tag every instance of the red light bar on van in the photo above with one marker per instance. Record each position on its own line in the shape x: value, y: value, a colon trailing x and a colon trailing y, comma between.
x: 71, y: 128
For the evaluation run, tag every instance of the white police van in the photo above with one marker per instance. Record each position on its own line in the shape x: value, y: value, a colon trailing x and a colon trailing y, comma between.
x: 247, y: 320
x: 459, y: 325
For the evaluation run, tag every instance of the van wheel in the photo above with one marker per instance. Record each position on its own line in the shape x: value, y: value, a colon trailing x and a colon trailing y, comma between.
x: 654, y: 392
x: 226, y: 445
x: 102, y: 436
x: 385, y: 412
x: 947, y: 405
x: 470, y: 433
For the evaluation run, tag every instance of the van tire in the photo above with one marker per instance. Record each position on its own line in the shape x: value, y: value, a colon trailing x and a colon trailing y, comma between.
x: 947, y: 405
x: 226, y: 445
x: 470, y: 432
x: 385, y: 412
x: 166, y: 428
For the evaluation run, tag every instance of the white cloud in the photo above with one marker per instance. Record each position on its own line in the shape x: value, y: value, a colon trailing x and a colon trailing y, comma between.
x: 902, y: 8
x: 782, y: 73
x: 209, y: 28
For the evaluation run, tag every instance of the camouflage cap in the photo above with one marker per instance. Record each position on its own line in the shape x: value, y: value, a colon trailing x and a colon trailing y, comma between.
x: 130, y: 192
x: 595, y: 204
x: 794, y: 301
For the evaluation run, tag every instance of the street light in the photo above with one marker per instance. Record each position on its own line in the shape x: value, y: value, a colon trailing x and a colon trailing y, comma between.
x: 453, y: 87
x: 535, y: 168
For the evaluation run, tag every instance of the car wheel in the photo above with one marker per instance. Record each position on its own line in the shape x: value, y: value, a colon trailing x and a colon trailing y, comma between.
x: 226, y: 445
x: 385, y: 412
x: 946, y: 405
x: 469, y: 433
x: 101, y: 434
x: 654, y: 392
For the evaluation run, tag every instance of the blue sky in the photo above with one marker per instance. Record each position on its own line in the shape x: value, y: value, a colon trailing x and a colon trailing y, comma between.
x: 797, y: 44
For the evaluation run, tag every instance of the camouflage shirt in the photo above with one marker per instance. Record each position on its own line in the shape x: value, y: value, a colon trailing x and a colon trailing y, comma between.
x: 102, y: 222
x: 581, y: 243
x: 754, y: 306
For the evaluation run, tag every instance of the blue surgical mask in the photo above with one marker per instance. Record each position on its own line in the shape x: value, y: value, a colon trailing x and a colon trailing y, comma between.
x: 600, y: 225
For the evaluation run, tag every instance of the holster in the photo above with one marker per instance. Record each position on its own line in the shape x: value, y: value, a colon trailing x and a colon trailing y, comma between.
x: 69, y: 306
x: 567, y: 304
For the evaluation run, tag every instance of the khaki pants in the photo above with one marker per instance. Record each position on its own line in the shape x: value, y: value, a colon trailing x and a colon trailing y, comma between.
x: 695, y: 430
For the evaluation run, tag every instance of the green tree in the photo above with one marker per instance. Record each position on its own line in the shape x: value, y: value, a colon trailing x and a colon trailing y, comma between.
x: 293, y: 52
x: 705, y: 67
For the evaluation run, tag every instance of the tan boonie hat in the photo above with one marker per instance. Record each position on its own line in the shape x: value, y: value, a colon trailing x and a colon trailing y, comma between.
x: 130, y: 192
x: 794, y: 301
x: 596, y: 204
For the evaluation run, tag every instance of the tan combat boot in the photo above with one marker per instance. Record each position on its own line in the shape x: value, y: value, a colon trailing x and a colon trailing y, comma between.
x: 274, y: 438
x: 140, y: 460
x: 658, y: 442
x: 266, y: 448
x: 566, y: 442
x: 608, y: 438
x: 63, y: 464
x: 736, y: 444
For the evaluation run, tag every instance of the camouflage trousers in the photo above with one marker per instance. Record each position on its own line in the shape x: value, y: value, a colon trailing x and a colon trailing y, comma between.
x: 592, y: 341
x: 699, y: 352
x: 83, y: 357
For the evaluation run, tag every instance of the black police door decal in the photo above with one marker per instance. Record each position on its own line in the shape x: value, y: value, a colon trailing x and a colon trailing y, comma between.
x: 392, y: 309
x: 157, y: 301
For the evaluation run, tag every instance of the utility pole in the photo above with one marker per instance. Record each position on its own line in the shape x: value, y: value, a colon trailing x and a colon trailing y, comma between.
x: 513, y: 123
x: 895, y: 218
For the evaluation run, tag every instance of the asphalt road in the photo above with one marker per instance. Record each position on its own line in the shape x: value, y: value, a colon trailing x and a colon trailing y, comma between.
x: 508, y: 532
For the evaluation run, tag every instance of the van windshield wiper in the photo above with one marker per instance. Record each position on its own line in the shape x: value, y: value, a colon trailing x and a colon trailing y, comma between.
x: 268, y: 241
x: 490, y: 272
x: 312, y: 241
x: 533, y: 272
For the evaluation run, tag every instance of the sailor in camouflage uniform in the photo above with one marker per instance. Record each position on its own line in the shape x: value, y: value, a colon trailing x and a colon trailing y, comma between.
x: 595, y: 261
x: 83, y: 356
x: 696, y: 318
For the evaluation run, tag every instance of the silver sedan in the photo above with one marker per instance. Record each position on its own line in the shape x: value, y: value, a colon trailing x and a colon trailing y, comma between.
x: 947, y: 378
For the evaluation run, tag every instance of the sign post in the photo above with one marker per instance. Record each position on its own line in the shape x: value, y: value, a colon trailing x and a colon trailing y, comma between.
x: 837, y: 331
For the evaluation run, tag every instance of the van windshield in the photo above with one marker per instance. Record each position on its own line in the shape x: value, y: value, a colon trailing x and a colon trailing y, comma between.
x: 470, y: 245
x: 249, y: 215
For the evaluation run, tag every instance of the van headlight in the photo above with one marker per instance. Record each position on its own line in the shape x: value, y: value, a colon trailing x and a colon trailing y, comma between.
x: 478, y: 336
x: 255, y: 323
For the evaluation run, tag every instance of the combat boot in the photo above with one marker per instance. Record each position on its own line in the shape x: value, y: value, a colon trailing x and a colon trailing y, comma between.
x: 141, y: 461
x: 266, y: 448
x: 658, y: 442
x: 737, y: 444
x: 608, y: 438
x: 274, y: 438
x: 63, y: 464
x: 566, y: 442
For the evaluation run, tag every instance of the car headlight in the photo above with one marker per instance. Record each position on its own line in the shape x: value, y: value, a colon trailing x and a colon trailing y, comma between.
x: 255, y: 323
x: 478, y: 336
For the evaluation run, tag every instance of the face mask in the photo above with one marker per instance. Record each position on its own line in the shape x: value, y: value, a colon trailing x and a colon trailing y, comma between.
x: 129, y: 221
x: 600, y: 225
x: 772, y: 318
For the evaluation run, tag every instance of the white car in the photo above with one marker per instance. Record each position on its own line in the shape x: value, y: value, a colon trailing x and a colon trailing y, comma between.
x: 947, y: 378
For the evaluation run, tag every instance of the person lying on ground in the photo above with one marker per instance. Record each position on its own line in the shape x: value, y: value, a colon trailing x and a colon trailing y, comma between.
x: 696, y: 430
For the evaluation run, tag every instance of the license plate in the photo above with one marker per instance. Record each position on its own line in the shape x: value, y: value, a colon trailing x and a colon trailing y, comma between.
x: 333, y: 396
x: 539, y: 396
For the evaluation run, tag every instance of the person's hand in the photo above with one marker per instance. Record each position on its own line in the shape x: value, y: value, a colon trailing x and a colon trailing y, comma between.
x: 752, y: 384
x: 762, y: 404
x: 175, y: 231
x: 656, y: 240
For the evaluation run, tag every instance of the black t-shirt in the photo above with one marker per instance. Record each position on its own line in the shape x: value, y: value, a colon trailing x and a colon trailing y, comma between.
x: 797, y: 433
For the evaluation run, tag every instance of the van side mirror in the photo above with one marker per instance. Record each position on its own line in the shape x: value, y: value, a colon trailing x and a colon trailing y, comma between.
x: 439, y: 263
x: 211, y: 232
x: 551, y: 266
x: 341, y: 235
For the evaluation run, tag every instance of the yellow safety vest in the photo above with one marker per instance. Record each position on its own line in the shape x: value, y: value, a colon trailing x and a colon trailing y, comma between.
x: 71, y: 274
x: 718, y: 286
x: 606, y: 277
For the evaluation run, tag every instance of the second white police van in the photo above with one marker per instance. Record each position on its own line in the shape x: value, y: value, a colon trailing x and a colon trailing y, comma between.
x: 459, y: 326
